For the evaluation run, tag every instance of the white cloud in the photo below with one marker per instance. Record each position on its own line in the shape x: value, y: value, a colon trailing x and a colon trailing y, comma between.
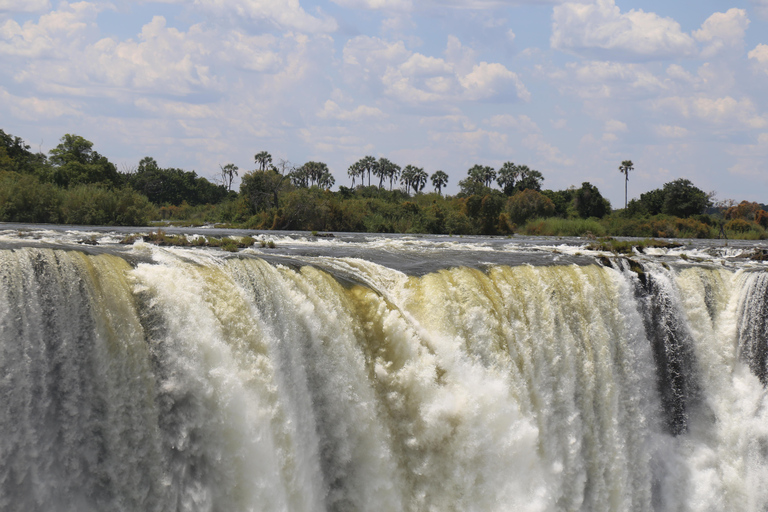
x: 473, y: 141
x: 725, y: 111
x: 614, y: 126
x: 601, y: 30
x: 54, y: 35
x: 285, y: 14
x: 671, y: 131
x: 412, y: 77
x: 759, y: 56
x: 521, y: 123
x: 448, y: 123
x: 722, y: 30
x: 393, y: 5
x: 603, y: 80
x: 24, y: 5
x: 546, y: 150
x: 33, y: 108
x: 331, y: 110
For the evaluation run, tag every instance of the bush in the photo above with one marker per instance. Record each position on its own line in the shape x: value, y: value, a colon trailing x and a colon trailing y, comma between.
x: 529, y: 204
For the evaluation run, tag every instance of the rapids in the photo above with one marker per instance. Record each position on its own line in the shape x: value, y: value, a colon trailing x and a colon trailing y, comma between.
x: 388, y: 374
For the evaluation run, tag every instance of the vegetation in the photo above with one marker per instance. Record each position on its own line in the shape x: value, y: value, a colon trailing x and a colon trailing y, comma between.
x: 74, y: 184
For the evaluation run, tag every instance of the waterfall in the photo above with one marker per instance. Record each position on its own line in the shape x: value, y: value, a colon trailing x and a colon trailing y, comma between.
x: 185, y: 380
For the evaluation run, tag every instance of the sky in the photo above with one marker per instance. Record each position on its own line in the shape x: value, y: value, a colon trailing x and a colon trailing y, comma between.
x: 569, y: 88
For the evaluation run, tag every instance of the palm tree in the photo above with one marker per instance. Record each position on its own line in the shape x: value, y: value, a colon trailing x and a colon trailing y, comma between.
x: 355, y: 170
x: 407, y: 176
x: 263, y: 159
x: 439, y: 180
x: 625, y: 167
x: 419, y: 179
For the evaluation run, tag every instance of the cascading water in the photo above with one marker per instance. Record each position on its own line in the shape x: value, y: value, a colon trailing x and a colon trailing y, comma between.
x: 180, y: 379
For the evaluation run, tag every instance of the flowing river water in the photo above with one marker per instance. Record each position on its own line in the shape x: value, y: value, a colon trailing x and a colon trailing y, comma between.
x: 374, y: 373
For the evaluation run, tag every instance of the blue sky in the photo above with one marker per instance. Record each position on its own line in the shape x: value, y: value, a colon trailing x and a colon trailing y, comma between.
x: 570, y: 88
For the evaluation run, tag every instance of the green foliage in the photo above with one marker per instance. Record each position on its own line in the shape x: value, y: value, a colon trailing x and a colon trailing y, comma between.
x: 562, y: 200
x: 439, y: 180
x: 262, y: 189
x: 98, y: 205
x: 529, y: 204
x: 683, y: 199
x: 555, y: 226
x: 174, y: 186
x: 590, y: 203
x: 516, y: 178
x: 75, y: 162
x: 24, y: 198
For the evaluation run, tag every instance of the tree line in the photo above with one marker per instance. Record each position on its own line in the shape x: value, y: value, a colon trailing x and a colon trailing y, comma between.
x: 76, y: 184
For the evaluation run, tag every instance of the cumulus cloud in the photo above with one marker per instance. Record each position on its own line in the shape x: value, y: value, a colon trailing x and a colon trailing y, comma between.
x: 285, y: 14
x: 722, y: 30
x: 725, y: 111
x: 759, y: 57
x: 602, y: 80
x: 601, y: 30
x: 55, y: 34
x: 412, y: 77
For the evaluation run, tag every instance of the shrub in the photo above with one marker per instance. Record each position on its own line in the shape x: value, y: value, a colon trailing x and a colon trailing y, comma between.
x: 529, y: 204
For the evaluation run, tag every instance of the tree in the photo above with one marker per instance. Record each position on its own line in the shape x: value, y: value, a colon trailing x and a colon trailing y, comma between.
x: 356, y: 170
x: 529, y: 204
x: 419, y: 179
x: 683, y: 199
x: 16, y: 155
x: 365, y: 165
x: 386, y: 169
x: 439, y: 180
x: 174, y: 186
x: 625, y: 167
x: 263, y: 159
x: 482, y: 174
x: 590, y: 203
x: 516, y: 178
x: 261, y: 188
x: 75, y: 162
x: 228, y: 173
x: 413, y: 178
x: 313, y: 174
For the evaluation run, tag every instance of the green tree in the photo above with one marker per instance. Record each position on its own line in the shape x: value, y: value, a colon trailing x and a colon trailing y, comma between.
x: 263, y: 160
x: 174, y: 186
x: 439, y: 180
x: 516, y: 178
x: 590, y: 203
x: 356, y: 171
x: 262, y: 188
x: 76, y: 162
x: 386, y: 169
x: 482, y: 174
x: 228, y: 173
x: 683, y: 199
x: 624, y: 168
x: 529, y: 204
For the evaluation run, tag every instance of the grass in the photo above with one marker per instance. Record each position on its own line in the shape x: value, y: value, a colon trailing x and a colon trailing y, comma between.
x: 229, y: 244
